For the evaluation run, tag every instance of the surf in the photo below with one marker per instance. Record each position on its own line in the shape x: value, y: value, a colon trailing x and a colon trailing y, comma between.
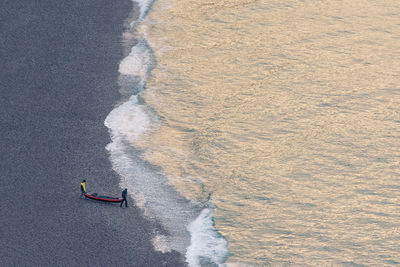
x: 187, y: 225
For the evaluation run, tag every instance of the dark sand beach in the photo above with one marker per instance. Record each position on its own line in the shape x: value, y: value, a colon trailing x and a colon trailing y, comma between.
x: 58, y: 81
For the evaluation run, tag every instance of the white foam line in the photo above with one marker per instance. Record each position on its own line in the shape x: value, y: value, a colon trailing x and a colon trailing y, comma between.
x: 145, y: 6
x: 206, y: 243
x: 128, y: 121
x: 150, y: 189
x: 139, y: 61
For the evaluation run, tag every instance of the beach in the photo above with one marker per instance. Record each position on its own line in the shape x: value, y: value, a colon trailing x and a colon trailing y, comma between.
x: 247, y: 133
x: 58, y: 83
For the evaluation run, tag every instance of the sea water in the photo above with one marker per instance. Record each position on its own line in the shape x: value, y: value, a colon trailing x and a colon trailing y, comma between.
x: 264, y: 132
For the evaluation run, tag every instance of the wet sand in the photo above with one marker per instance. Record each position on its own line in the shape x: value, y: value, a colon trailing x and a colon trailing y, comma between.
x: 58, y: 82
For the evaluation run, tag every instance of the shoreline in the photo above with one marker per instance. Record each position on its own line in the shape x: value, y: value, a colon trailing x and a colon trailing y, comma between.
x: 60, y: 83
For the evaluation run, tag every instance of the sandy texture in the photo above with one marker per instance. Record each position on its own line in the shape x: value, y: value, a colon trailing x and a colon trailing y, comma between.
x: 58, y: 82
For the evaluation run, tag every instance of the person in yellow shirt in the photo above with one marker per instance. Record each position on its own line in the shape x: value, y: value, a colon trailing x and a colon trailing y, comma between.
x: 83, y: 186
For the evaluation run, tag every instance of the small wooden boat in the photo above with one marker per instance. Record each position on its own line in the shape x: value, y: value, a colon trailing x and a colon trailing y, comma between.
x: 94, y: 196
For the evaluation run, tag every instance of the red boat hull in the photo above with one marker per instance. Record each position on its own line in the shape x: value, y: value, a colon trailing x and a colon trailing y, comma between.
x: 103, y: 198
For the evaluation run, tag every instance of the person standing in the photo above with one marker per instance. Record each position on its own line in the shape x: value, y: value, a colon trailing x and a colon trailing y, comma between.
x: 124, y: 193
x: 83, y: 187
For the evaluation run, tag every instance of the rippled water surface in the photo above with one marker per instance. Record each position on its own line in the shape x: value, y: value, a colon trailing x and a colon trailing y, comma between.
x: 287, y: 115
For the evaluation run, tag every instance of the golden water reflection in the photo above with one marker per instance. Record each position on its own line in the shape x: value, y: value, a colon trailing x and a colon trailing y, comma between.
x: 288, y: 113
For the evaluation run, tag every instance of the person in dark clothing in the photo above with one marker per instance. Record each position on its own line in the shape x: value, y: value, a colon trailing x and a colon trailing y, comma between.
x: 124, y: 193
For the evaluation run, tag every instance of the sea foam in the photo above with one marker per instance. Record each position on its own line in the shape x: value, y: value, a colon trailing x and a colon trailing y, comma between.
x: 186, y: 227
x: 138, y: 62
x: 128, y: 121
x: 207, y: 245
x: 145, y: 6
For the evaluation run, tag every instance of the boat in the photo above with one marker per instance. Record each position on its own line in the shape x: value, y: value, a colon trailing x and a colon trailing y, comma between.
x: 94, y: 196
